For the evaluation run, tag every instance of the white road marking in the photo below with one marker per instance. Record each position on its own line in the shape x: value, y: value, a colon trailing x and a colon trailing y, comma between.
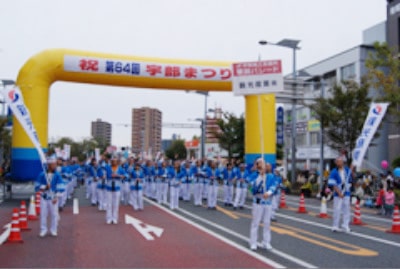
x: 4, y: 236
x: 75, y: 209
x: 220, y: 237
x: 144, y: 229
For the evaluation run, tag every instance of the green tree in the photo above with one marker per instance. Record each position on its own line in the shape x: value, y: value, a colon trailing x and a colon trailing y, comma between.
x: 343, y: 114
x: 384, y: 76
x: 177, y: 150
x: 231, y: 134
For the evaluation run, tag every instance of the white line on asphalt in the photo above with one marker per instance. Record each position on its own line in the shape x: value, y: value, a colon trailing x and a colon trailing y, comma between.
x: 373, y: 238
x: 75, y: 209
x: 4, y: 236
x: 226, y: 240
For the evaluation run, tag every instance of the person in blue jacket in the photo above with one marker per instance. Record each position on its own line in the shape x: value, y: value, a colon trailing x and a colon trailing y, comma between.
x: 263, y: 187
x: 175, y: 177
x: 162, y: 174
x: 242, y: 179
x: 137, y: 187
x: 50, y: 185
x: 340, y: 179
x: 228, y: 178
x: 197, y: 175
x: 213, y: 175
x: 186, y: 182
x: 115, y: 174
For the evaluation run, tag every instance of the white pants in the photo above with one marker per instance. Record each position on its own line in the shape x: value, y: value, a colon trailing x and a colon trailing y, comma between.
x: 198, y: 190
x: 164, y: 192
x: 260, y: 213
x: 174, y: 197
x: 158, y: 191
x: 212, y: 195
x: 70, y: 189
x: 88, y: 183
x: 94, y: 193
x: 341, y: 206
x: 137, y: 199
x: 102, y: 199
x: 186, y: 192
x: 63, y: 197
x: 113, y: 198
x: 228, y: 193
x: 205, y: 191
x: 240, y: 197
x: 48, y: 209
x: 126, y: 193
x: 275, y: 204
x: 153, y: 189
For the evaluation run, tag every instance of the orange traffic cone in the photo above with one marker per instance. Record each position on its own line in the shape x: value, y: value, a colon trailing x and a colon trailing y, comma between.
x: 23, y: 220
x: 323, y: 212
x: 282, y: 202
x: 357, y: 215
x: 15, y: 233
x: 37, y: 203
x: 396, y: 221
x: 302, y: 205
x: 32, y: 209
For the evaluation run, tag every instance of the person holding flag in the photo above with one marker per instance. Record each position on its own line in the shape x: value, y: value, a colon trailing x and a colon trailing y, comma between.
x: 49, y: 183
x: 263, y: 189
x: 340, y: 179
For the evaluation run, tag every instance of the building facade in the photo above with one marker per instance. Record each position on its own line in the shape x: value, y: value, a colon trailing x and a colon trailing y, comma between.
x: 101, y: 131
x: 393, y: 40
x: 146, y: 130
x: 347, y: 65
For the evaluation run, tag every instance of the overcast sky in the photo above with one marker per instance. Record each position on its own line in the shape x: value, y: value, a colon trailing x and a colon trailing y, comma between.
x: 223, y: 30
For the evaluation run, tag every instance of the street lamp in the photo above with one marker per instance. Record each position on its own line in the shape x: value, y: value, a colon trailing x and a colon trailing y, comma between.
x: 203, y: 122
x: 292, y: 44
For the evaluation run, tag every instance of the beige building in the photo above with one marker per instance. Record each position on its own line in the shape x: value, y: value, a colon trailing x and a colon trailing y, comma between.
x: 101, y: 131
x: 146, y: 130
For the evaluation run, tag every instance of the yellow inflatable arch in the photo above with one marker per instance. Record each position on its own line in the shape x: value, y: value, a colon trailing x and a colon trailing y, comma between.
x: 40, y: 71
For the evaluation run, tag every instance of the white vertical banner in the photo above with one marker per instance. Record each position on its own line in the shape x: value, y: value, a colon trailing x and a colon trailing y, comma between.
x: 14, y: 99
x: 67, y: 152
x: 97, y: 154
x: 375, y: 115
x: 58, y: 152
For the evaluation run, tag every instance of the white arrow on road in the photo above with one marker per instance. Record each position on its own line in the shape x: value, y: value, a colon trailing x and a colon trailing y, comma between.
x: 5, y: 234
x: 143, y: 228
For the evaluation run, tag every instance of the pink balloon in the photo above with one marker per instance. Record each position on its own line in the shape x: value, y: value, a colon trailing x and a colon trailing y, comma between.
x: 384, y: 164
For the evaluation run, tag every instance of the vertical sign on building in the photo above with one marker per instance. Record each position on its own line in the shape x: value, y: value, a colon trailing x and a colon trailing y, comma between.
x: 279, y: 126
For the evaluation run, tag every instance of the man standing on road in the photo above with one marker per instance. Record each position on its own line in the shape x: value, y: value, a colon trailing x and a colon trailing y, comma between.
x: 340, y: 179
x: 263, y: 182
x: 49, y: 184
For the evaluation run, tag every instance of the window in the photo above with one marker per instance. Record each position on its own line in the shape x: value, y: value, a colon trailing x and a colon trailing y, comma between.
x: 315, y: 138
x: 301, y: 139
x: 348, y: 72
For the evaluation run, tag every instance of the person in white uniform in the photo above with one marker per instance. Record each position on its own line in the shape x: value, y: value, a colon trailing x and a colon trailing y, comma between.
x: 263, y: 187
x: 49, y: 183
x: 341, y: 179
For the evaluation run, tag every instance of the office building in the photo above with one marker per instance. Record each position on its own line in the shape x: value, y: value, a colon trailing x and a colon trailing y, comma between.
x: 101, y: 131
x: 146, y: 130
x: 346, y: 65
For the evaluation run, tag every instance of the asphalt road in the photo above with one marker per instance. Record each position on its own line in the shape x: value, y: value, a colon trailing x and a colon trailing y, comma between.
x: 200, y: 238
